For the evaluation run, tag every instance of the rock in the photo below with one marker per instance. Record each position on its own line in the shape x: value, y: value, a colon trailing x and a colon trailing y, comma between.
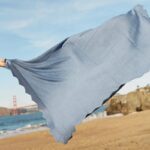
x: 138, y: 100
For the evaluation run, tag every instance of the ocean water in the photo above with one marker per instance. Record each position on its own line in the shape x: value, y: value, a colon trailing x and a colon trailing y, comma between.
x: 21, y: 122
x: 16, y: 124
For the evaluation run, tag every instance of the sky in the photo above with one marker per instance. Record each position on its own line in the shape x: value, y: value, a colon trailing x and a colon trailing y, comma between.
x: 29, y: 28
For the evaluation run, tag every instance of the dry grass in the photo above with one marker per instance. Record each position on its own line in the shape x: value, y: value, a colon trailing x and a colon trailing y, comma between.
x: 130, y: 132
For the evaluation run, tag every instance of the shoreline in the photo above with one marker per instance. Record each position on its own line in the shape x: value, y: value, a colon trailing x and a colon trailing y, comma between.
x: 14, y: 133
x: 36, y: 128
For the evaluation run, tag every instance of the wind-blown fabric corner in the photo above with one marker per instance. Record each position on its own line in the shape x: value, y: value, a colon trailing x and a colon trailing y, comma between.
x: 77, y: 75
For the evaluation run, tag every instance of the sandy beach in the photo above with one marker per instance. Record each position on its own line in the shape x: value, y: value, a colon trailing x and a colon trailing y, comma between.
x: 131, y: 132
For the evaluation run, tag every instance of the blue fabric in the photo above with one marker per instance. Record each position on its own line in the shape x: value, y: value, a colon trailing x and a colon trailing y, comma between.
x: 75, y: 76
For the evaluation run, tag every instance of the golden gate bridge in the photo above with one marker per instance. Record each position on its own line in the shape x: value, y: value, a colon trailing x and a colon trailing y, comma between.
x: 16, y: 109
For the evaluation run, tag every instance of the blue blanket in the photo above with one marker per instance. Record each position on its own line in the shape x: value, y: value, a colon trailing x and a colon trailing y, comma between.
x: 78, y: 74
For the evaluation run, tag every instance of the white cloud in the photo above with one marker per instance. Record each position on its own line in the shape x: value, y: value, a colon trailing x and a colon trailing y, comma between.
x: 15, y: 24
x: 44, y: 43
x: 90, y: 5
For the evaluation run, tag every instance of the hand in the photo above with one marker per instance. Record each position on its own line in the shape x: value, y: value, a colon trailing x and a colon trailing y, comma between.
x: 2, y: 63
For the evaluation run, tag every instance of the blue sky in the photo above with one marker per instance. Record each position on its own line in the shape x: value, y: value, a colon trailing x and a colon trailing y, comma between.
x: 28, y: 28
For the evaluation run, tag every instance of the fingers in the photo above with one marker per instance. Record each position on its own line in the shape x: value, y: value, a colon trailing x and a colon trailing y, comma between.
x: 2, y: 62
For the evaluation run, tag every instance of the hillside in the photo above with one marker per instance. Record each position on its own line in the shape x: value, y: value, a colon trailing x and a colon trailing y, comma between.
x: 4, y: 111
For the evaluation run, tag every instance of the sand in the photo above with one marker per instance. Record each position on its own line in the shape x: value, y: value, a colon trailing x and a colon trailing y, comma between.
x: 131, y: 132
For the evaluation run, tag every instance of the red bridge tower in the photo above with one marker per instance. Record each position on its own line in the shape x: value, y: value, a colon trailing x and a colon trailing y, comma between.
x: 15, y: 110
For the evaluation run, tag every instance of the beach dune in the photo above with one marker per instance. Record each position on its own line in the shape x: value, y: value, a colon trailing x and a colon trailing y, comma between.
x: 131, y: 132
